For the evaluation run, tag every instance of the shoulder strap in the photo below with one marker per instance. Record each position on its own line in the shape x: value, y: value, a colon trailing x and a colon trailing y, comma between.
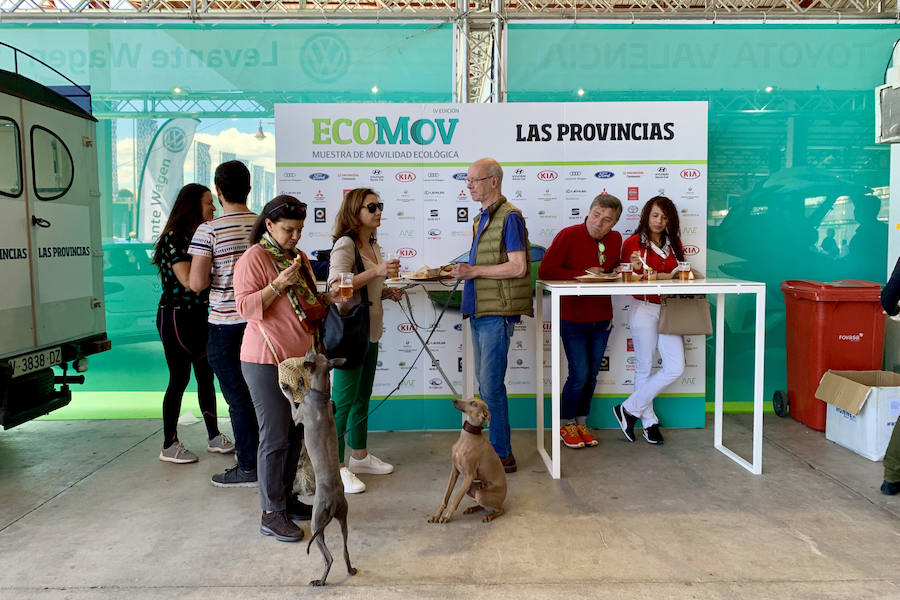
x: 268, y: 342
x: 364, y: 290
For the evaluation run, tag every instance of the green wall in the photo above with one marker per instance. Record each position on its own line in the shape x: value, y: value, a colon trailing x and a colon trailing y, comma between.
x: 791, y: 142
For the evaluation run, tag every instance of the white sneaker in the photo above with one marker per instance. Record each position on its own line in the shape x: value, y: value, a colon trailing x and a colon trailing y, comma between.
x: 371, y: 464
x: 352, y: 484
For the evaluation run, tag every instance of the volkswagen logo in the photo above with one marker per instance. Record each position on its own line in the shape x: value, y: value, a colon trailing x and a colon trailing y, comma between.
x: 325, y: 58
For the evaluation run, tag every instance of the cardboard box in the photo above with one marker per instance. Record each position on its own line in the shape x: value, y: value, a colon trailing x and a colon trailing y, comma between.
x: 862, y: 409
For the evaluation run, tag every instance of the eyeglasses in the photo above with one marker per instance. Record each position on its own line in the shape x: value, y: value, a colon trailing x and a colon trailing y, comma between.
x: 474, y: 179
x: 373, y: 206
x: 301, y: 206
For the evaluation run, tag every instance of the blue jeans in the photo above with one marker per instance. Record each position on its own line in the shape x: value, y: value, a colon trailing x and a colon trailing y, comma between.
x: 490, y: 343
x: 584, y: 344
x: 223, y: 350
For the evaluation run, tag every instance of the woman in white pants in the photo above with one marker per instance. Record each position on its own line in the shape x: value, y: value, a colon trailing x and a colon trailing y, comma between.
x: 654, y: 251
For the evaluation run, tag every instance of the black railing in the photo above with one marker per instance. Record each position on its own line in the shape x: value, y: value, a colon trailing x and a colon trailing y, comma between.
x: 78, y: 92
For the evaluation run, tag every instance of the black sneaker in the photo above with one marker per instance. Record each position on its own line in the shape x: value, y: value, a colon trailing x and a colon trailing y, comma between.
x: 652, y: 434
x: 626, y: 421
x: 235, y: 477
x: 509, y: 464
x: 298, y: 510
x: 890, y: 488
x: 277, y: 523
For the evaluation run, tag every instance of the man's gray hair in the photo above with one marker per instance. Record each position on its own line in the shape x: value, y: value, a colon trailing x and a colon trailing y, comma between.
x: 495, y: 170
x: 605, y: 200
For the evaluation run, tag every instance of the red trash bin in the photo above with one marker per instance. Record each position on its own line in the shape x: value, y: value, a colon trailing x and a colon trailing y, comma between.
x: 836, y: 325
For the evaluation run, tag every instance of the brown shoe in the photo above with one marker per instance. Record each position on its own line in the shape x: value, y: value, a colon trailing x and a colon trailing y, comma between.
x: 509, y: 464
x: 278, y: 524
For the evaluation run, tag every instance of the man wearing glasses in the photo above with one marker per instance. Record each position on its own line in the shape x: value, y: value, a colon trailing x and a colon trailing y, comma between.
x: 496, y: 294
x: 216, y: 247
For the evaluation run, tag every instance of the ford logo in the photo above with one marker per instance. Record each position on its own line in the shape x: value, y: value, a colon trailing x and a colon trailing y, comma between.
x: 460, y: 176
x: 547, y: 175
x: 406, y: 252
x: 604, y: 174
x: 319, y: 176
x: 690, y: 173
x: 405, y: 176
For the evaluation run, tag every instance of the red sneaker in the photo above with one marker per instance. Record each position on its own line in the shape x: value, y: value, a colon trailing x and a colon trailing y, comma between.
x: 586, y: 436
x: 570, y: 437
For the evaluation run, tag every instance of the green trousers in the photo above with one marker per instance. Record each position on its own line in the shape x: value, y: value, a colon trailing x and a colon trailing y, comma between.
x: 892, y: 458
x: 351, y: 391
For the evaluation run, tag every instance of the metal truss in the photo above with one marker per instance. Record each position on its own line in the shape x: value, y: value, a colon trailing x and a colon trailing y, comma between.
x: 195, y: 10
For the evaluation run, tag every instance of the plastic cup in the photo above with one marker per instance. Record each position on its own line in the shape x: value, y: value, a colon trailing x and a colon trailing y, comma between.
x: 684, y: 271
x: 345, y: 286
x: 627, y: 272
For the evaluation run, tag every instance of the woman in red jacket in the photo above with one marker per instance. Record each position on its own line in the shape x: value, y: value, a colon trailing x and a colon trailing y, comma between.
x: 655, y: 248
x: 585, y: 321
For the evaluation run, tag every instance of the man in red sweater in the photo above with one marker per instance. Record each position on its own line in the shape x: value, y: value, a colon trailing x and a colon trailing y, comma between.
x: 586, y: 321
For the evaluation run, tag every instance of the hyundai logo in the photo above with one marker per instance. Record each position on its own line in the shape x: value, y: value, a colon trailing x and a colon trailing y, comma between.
x: 318, y: 176
x: 458, y: 327
x: 604, y: 174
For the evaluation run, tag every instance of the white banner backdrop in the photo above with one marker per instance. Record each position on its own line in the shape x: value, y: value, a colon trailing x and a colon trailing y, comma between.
x: 162, y: 174
x: 556, y: 158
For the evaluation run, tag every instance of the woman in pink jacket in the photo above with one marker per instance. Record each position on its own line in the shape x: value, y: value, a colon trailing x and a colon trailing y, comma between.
x: 275, y: 291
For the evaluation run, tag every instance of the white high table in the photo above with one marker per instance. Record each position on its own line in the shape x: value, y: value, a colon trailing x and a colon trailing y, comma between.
x: 719, y: 287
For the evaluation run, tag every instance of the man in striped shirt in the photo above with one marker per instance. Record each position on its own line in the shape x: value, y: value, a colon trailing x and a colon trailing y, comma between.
x: 216, y: 247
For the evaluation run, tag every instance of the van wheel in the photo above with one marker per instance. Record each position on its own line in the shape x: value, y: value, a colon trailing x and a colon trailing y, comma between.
x: 780, y: 403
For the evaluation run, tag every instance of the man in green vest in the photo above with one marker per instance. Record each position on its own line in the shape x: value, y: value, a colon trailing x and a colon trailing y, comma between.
x: 496, y: 294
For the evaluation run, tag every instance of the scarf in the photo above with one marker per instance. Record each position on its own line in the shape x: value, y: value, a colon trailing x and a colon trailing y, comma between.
x: 302, y: 295
x: 662, y: 252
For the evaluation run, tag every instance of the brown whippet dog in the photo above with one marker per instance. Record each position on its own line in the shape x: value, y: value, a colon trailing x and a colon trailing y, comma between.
x: 483, y: 476
x: 306, y: 384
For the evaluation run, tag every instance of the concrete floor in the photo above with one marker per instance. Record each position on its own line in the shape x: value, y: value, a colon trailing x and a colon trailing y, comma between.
x: 87, y: 511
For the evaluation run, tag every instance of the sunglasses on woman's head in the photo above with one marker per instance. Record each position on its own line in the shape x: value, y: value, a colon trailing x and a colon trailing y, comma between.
x: 373, y: 206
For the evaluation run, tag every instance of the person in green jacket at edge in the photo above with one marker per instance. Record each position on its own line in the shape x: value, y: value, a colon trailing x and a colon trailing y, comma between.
x: 890, y: 295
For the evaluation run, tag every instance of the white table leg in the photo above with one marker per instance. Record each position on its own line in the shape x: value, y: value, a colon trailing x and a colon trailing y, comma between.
x: 719, y: 370
x: 555, y: 382
x: 539, y: 368
x: 759, y: 355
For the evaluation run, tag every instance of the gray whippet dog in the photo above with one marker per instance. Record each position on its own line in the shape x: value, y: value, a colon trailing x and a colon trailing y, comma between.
x: 305, y: 383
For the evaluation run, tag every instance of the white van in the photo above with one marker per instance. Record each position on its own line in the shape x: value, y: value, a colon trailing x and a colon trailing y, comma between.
x: 51, y: 261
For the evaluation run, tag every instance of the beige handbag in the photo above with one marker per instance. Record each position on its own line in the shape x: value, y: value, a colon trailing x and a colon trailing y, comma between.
x: 684, y: 315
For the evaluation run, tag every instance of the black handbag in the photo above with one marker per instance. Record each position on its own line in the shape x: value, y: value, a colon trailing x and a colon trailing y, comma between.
x: 347, y: 335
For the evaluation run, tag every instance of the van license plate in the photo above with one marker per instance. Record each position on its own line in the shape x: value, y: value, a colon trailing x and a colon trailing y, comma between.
x: 28, y: 363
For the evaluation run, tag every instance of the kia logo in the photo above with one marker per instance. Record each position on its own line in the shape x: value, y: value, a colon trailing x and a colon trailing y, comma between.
x: 604, y: 174
x: 405, y: 176
x: 405, y: 327
x: 460, y: 176
x: 547, y: 326
x: 690, y: 173
x: 319, y: 176
x: 406, y: 252
x: 434, y: 232
x: 547, y: 175
x: 690, y: 250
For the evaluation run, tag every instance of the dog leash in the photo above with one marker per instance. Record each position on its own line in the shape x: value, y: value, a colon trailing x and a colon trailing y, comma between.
x: 413, y: 365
